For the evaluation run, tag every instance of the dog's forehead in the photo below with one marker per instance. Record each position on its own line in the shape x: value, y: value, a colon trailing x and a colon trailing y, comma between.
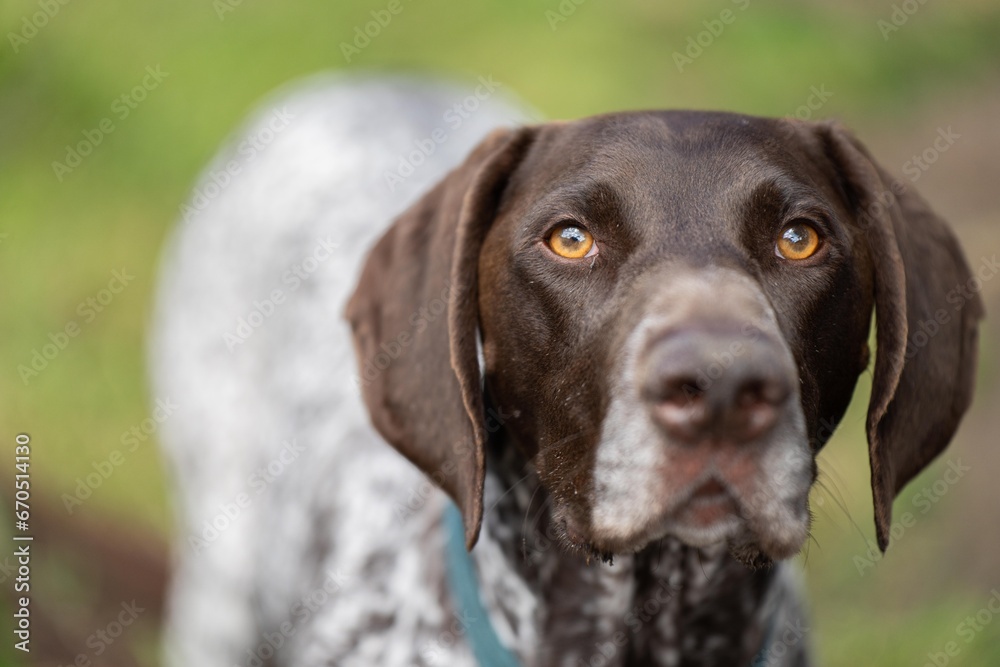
x: 647, y: 138
x: 665, y: 173
x: 663, y: 155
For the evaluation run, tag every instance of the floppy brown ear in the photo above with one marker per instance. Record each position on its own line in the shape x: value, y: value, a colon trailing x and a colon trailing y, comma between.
x: 414, y: 316
x: 926, y: 316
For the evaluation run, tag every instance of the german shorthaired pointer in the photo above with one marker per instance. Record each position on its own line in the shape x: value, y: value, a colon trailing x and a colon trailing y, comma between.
x: 617, y: 345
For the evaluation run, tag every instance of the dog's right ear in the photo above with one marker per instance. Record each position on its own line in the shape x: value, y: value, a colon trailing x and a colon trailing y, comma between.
x: 926, y: 318
x: 415, y: 317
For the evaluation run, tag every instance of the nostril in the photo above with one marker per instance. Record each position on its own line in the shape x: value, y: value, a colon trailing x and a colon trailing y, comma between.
x: 758, y: 391
x: 750, y: 394
x: 680, y: 404
x: 686, y: 420
x: 681, y: 391
x: 691, y: 412
x: 756, y: 407
x: 698, y: 391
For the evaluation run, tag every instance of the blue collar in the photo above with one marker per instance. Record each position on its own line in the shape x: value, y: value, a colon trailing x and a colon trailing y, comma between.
x: 763, y: 656
x: 464, y: 586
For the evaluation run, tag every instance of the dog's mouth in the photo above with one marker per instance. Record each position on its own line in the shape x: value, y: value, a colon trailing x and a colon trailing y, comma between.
x: 708, y: 506
x: 706, y: 514
x: 710, y: 512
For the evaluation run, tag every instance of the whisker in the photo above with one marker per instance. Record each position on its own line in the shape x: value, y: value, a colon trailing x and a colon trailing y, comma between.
x: 524, y: 524
x: 838, y: 500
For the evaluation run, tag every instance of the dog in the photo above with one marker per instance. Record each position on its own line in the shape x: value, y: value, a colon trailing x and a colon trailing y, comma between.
x: 556, y: 405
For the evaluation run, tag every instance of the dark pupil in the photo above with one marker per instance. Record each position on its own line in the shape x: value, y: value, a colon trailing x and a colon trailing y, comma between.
x: 572, y: 236
x: 797, y: 235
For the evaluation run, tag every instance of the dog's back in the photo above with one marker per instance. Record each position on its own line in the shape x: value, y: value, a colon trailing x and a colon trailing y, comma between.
x: 538, y: 324
x: 271, y: 448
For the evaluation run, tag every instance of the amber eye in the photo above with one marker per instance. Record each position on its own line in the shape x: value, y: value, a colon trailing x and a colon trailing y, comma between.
x: 798, y: 240
x: 571, y: 242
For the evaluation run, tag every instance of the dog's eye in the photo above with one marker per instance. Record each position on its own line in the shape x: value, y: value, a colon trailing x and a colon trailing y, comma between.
x: 798, y: 240
x: 572, y: 241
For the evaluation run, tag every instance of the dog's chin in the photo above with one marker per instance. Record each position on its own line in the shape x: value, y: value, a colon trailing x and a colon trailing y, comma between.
x: 704, y: 536
x: 756, y: 544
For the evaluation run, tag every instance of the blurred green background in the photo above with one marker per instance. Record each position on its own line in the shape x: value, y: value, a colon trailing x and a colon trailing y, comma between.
x: 926, y: 67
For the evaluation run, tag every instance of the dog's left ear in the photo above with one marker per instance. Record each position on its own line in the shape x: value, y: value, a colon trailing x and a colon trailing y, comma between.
x: 414, y: 315
x: 926, y: 319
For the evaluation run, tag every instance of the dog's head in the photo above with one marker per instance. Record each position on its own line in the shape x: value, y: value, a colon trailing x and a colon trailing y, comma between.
x: 673, y: 310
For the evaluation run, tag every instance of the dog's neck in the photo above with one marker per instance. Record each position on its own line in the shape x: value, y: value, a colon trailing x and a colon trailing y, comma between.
x: 668, y: 604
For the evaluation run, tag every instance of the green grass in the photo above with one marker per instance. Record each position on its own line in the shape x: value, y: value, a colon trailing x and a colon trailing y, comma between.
x: 63, y: 239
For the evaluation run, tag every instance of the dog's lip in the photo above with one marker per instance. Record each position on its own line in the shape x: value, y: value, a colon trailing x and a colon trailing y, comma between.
x: 711, y: 509
x: 710, y: 487
x: 707, y: 511
x: 708, y: 490
x: 708, y: 504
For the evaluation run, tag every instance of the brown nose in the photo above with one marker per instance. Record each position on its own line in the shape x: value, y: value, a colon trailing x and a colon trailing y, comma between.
x: 706, y: 386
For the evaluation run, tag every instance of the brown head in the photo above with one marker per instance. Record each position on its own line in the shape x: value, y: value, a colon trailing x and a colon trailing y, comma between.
x: 673, y: 309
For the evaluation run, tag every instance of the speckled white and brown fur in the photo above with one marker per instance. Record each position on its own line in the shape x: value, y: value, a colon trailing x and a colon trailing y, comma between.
x: 337, y: 559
